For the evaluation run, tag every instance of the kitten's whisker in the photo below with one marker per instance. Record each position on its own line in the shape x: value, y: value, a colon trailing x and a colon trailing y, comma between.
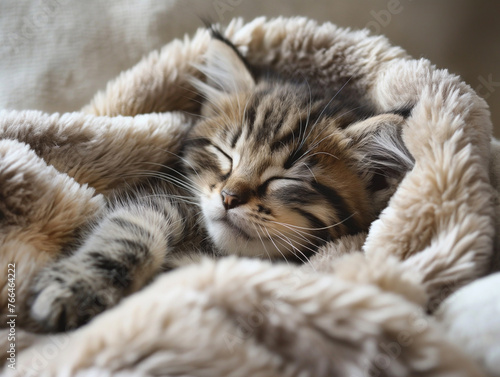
x: 308, y: 168
x: 141, y: 163
x: 248, y: 240
x: 162, y: 194
x: 199, y: 222
x: 172, y: 178
x: 287, y: 240
x: 325, y: 153
x: 183, y: 160
x: 169, y: 167
x: 164, y: 177
x: 184, y: 187
x: 261, y: 240
x: 305, y: 258
x: 182, y: 219
x: 286, y: 247
x: 167, y: 178
x: 301, y: 232
x: 312, y: 146
x: 177, y: 197
x: 320, y: 228
x: 295, y: 233
x: 314, y: 143
x: 197, y: 115
x: 276, y: 246
x: 175, y: 170
x: 329, y: 102
x: 197, y: 215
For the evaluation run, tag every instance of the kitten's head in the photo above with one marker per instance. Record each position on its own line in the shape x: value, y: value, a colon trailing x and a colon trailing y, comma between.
x: 276, y: 171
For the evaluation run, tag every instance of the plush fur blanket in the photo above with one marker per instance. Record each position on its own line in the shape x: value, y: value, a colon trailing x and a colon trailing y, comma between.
x: 362, y: 307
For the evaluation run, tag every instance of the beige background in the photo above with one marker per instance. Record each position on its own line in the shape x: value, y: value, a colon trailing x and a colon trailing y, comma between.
x: 55, y: 54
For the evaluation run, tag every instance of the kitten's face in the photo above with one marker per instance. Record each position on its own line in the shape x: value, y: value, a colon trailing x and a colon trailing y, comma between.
x: 271, y: 180
x: 272, y: 165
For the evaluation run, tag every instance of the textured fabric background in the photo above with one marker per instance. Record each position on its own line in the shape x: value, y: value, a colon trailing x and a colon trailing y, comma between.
x: 55, y: 54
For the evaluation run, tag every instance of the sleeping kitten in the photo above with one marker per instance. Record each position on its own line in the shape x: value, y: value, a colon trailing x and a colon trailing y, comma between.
x: 274, y: 169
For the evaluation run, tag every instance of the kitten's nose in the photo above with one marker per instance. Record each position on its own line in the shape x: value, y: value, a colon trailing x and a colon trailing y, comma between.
x: 229, y: 200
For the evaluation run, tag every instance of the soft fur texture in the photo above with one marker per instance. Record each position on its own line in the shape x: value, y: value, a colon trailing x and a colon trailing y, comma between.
x: 345, y: 313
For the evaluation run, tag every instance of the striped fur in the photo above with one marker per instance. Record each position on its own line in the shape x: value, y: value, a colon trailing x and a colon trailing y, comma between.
x: 274, y: 169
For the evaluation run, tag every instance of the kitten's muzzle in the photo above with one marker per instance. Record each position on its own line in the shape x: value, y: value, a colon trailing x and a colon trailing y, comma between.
x: 230, y: 200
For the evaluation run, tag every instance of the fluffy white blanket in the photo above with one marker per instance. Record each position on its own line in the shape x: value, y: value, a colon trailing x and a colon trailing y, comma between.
x: 360, y: 308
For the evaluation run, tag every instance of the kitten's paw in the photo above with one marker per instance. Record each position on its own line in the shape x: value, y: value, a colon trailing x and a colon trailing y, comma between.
x: 65, y: 301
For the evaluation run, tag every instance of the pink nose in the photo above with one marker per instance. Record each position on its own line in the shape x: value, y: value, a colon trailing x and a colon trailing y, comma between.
x: 229, y: 200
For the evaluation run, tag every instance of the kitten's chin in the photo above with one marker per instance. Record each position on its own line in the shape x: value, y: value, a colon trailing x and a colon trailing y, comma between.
x: 233, y: 241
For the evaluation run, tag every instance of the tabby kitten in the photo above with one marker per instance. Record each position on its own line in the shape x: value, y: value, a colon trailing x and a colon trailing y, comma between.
x: 274, y: 169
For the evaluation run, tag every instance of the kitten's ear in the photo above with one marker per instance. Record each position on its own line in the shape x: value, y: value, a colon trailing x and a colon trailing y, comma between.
x: 379, y: 145
x: 225, y: 71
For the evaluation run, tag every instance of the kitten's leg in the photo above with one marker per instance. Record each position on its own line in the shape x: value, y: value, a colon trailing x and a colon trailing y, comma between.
x: 122, y: 254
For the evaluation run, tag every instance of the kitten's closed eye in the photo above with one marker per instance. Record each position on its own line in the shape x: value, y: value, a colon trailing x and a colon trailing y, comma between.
x: 280, y: 181
x: 225, y: 162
